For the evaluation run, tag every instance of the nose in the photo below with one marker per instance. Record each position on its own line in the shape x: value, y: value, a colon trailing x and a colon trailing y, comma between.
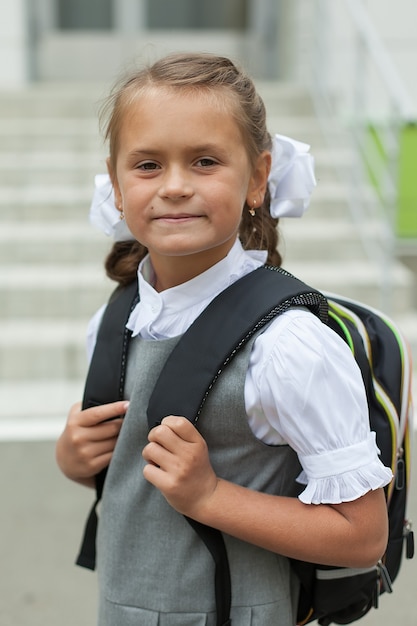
x: 176, y: 184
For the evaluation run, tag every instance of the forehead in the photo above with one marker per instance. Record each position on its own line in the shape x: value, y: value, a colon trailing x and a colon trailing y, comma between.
x: 169, y: 108
x: 216, y: 100
x: 220, y: 98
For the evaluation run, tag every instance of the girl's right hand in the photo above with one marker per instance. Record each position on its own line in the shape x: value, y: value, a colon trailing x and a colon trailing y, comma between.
x: 88, y: 440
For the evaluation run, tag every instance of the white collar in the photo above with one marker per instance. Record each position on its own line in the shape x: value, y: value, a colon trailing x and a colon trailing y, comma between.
x: 170, y: 312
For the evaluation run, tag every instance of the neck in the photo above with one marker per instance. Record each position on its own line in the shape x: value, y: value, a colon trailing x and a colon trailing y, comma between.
x: 173, y: 271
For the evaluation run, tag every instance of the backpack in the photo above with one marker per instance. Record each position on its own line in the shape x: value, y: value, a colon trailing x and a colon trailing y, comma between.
x: 327, y: 594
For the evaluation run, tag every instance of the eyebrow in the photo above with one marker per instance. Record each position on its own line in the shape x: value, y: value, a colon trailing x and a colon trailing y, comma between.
x: 206, y: 148
x: 142, y: 151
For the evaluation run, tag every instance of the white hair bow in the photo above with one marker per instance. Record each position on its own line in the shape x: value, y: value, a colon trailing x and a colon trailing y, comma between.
x: 290, y: 182
x: 103, y: 212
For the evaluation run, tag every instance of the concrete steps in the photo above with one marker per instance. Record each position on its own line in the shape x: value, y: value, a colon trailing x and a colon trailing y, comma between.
x: 42, y: 350
x: 362, y: 280
x: 51, y: 260
x: 63, y: 291
x: 39, y: 241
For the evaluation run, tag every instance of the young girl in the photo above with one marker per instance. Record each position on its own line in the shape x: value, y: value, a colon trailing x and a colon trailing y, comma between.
x: 189, y: 164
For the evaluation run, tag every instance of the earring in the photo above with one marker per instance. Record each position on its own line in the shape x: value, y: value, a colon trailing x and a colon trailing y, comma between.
x: 122, y: 215
x: 252, y: 209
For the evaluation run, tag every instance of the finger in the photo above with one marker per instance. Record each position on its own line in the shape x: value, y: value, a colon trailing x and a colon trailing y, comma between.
x: 101, y: 413
x: 92, y: 457
x: 157, y: 455
x: 168, y: 439
x: 105, y: 430
x: 164, y: 435
x: 113, y: 410
x: 154, y: 475
x: 182, y: 428
x: 103, y: 461
x: 103, y: 448
x: 100, y: 462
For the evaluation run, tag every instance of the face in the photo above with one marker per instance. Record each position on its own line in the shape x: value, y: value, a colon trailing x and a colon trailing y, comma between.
x: 182, y: 177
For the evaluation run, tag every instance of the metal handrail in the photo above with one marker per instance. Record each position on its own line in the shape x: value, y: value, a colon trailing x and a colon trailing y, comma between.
x: 388, y: 73
x: 355, y: 104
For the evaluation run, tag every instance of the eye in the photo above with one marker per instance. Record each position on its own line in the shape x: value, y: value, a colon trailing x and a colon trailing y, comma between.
x: 147, y: 166
x: 206, y: 162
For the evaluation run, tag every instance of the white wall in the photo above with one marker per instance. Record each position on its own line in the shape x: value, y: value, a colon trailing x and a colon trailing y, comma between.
x: 14, y: 60
x: 396, y: 21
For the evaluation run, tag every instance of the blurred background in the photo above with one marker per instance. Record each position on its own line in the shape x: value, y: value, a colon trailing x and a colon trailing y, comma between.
x: 337, y: 74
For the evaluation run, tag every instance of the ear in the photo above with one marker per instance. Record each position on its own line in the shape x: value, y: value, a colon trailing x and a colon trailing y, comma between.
x: 117, y: 194
x: 259, y: 179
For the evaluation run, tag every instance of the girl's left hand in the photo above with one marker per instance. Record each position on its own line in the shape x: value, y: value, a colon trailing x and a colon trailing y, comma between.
x: 179, y: 465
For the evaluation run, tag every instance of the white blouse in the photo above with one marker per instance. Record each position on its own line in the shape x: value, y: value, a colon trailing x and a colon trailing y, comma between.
x: 302, y: 387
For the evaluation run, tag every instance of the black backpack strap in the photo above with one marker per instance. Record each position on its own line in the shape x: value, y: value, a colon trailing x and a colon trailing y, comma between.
x: 104, y: 384
x: 221, y: 330
x: 199, y: 358
x: 214, y: 542
x: 105, y: 378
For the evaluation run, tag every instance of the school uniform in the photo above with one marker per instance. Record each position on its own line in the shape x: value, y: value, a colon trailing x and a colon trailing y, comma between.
x: 281, y: 419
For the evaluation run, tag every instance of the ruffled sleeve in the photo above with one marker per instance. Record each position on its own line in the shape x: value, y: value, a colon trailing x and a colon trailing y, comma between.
x: 356, y: 470
x: 311, y: 396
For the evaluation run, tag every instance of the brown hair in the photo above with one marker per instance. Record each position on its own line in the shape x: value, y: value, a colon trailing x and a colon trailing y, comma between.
x: 195, y: 72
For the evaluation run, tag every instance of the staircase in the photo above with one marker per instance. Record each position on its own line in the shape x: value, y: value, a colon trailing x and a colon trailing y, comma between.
x: 51, y: 260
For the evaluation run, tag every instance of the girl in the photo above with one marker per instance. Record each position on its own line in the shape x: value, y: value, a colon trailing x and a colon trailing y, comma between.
x: 190, y: 160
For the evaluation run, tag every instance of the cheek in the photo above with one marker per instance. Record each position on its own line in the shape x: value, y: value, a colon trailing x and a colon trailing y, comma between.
x: 135, y: 199
x: 135, y: 212
x: 232, y: 193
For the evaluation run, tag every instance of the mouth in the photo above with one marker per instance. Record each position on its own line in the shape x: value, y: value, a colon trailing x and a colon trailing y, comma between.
x: 177, y: 218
